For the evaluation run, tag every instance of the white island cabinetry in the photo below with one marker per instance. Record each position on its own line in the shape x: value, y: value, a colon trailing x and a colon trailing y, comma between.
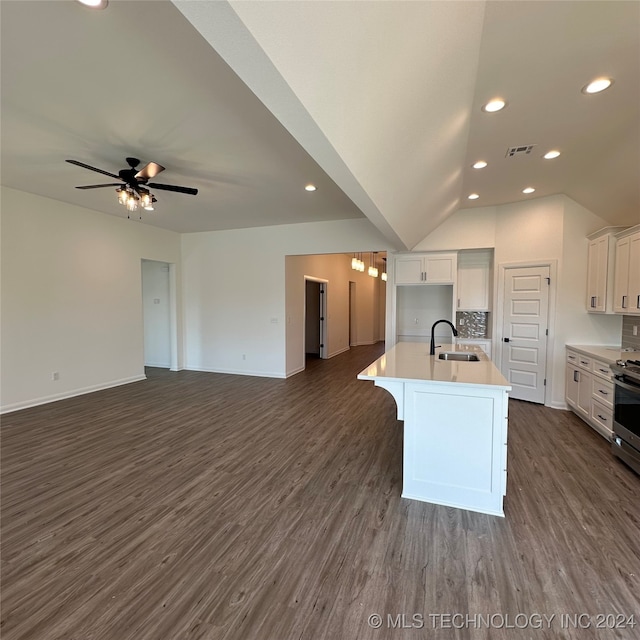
x: 455, y: 425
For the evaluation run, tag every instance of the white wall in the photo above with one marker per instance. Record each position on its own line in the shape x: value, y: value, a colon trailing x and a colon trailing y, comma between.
x: 553, y: 228
x: 71, y: 297
x: 235, y: 297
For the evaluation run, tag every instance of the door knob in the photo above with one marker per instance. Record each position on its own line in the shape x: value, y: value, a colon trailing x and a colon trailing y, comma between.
x: 505, y: 340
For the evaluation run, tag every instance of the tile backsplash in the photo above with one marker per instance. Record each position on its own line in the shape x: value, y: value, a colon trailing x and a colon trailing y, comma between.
x: 472, y: 324
x: 629, y: 341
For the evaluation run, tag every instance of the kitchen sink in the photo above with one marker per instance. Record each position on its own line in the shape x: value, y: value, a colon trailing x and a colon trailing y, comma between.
x: 458, y: 355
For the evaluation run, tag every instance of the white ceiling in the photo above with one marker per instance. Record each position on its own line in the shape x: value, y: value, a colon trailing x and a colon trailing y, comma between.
x: 378, y: 103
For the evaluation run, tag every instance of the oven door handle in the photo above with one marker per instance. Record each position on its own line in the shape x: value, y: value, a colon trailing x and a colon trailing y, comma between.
x: 626, y: 385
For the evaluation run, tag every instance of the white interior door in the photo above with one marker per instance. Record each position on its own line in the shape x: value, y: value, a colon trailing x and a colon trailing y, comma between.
x: 524, y: 331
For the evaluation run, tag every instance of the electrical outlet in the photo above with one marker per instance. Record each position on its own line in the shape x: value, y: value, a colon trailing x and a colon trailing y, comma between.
x: 635, y: 329
x: 55, y: 375
x: 244, y: 356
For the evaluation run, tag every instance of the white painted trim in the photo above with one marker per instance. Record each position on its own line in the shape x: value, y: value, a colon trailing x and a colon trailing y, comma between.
x: 498, y: 332
x: 390, y: 318
x: 158, y: 365
x: 563, y: 406
x: 294, y: 372
x: 69, y: 394
x: 232, y: 372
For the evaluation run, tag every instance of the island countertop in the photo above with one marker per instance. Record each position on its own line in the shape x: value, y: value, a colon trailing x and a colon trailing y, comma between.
x: 411, y: 362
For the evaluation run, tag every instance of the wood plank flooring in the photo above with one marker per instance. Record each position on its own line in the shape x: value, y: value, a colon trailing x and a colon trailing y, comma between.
x: 214, y: 507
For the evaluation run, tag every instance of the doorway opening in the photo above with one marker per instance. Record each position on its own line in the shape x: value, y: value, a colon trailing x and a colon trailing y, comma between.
x: 315, y: 325
x: 159, y: 315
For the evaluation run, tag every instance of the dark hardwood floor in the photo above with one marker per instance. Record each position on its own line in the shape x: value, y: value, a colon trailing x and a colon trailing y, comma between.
x: 206, y: 506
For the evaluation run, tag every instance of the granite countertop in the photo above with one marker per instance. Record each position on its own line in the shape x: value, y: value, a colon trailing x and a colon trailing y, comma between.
x: 411, y: 362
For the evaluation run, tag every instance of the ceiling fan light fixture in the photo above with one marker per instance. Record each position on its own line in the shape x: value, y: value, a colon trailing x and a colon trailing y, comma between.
x: 145, y: 199
x: 132, y: 202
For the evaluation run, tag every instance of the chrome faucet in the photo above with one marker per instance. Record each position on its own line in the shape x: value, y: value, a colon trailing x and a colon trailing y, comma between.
x: 432, y: 348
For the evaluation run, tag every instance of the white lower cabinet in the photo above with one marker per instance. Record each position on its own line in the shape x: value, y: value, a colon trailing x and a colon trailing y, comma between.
x: 589, y: 391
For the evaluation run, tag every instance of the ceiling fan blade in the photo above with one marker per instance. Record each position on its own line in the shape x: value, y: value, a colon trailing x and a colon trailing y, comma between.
x: 172, y: 187
x: 98, y: 186
x: 151, y: 170
x: 88, y: 166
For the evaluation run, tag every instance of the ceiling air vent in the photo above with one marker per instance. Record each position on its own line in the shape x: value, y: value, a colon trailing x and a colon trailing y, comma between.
x: 522, y: 150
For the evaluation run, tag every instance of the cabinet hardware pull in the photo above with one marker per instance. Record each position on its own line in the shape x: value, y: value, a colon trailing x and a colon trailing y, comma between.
x: 638, y: 303
x: 624, y: 302
x: 584, y: 362
x: 593, y: 302
x: 602, y: 418
x: 604, y: 393
x: 576, y: 376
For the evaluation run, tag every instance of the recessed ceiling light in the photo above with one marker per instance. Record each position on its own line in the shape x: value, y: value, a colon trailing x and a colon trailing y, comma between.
x: 550, y: 155
x: 473, y: 196
x: 597, y: 85
x: 95, y: 4
x: 481, y: 164
x: 528, y: 190
x: 494, y: 105
x: 310, y: 187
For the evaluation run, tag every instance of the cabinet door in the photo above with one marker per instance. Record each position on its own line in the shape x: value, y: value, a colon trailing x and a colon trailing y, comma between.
x: 409, y: 270
x: 621, y: 278
x: 440, y: 268
x: 597, y: 274
x: 583, y: 405
x: 572, y: 382
x: 634, y: 274
x: 473, y: 286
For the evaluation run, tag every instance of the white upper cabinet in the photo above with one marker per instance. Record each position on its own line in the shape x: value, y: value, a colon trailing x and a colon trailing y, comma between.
x: 627, y: 272
x: 474, y: 281
x: 600, y: 270
x: 425, y: 268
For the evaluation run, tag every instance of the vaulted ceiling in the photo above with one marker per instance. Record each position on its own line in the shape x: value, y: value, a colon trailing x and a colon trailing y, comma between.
x: 376, y: 103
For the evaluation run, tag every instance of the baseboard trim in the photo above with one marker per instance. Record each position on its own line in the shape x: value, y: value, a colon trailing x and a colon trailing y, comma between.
x: 559, y: 405
x: 231, y: 372
x: 36, y: 402
x: 294, y: 372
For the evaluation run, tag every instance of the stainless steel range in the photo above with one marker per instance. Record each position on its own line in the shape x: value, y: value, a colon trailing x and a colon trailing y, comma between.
x: 626, y: 417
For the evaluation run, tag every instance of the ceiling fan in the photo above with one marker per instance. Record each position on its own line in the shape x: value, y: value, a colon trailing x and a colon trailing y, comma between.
x: 134, y: 186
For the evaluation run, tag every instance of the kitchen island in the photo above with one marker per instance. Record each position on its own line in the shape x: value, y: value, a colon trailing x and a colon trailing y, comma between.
x: 455, y: 424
